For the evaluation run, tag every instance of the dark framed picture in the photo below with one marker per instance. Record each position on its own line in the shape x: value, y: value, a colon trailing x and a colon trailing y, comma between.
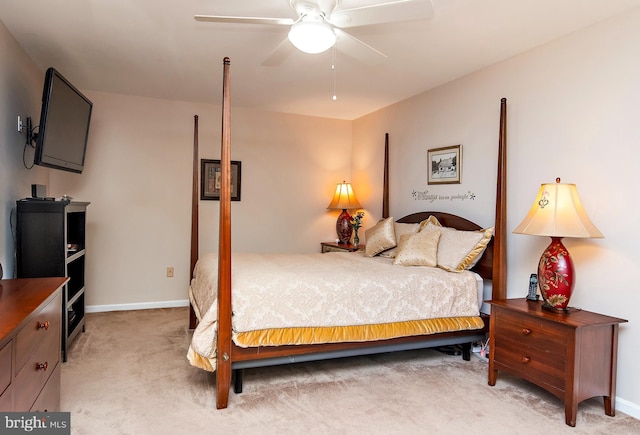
x: 445, y: 165
x: 210, y: 179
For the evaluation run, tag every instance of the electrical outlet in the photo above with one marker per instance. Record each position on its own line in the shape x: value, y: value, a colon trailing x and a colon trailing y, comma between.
x: 169, y: 272
x: 19, y: 124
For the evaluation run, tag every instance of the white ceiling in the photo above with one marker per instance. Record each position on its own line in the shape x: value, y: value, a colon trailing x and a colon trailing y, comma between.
x: 155, y: 48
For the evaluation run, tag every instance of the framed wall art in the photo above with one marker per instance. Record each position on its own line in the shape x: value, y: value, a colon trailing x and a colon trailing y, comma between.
x: 445, y: 165
x: 210, y: 179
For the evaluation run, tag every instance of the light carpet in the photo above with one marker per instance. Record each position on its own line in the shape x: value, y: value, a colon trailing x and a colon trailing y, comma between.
x: 128, y: 374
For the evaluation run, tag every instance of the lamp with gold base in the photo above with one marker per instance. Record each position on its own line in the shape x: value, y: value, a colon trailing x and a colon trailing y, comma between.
x: 344, y: 199
x: 557, y: 212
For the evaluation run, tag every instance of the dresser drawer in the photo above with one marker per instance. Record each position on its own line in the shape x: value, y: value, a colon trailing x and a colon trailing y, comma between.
x: 6, y: 389
x: 6, y: 400
x: 531, y: 363
x: 36, y: 371
x: 43, y: 326
x: 5, y: 366
x: 546, y: 336
x: 49, y: 398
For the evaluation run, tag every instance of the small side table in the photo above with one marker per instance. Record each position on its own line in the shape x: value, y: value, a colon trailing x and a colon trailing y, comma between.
x: 339, y: 247
x: 571, y: 355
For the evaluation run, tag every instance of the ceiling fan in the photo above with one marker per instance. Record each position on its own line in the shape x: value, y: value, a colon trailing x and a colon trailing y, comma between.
x: 319, y: 23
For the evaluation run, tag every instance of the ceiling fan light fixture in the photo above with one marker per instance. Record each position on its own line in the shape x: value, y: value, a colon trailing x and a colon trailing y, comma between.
x: 312, y: 37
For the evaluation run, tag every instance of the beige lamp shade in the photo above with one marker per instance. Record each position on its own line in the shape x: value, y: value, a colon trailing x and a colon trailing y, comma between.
x: 557, y: 212
x: 344, y: 198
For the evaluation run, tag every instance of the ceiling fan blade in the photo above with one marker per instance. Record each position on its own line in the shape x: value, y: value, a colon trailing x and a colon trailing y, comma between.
x: 245, y: 20
x: 389, y: 12
x: 281, y: 52
x: 357, y: 49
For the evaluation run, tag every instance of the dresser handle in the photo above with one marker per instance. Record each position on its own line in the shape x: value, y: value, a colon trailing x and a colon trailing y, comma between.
x: 525, y: 359
x: 44, y: 325
x: 526, y: 331
x: 42, y: 366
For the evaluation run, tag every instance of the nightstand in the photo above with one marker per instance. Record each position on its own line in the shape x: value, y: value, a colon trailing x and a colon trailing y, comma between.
x: 573, y: 356
x: 339, y: 247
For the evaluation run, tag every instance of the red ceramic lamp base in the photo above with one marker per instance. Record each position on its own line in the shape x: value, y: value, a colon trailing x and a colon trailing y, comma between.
x: 343, y: 227
x: 555, y: 276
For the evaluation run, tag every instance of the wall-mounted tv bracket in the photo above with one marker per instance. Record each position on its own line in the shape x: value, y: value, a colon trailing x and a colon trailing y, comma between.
x: 31, y: 135
x: 31, y: 139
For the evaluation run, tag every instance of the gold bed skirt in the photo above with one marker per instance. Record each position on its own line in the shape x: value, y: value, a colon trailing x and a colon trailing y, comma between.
x: 339, y: 334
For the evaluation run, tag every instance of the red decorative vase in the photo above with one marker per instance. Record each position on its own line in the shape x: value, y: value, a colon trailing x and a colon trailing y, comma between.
x: 555, y: 276
x: 343, y: 227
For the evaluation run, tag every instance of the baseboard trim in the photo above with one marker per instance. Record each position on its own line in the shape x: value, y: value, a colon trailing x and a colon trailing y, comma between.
x: 629, y: 408
x: 137, y: 306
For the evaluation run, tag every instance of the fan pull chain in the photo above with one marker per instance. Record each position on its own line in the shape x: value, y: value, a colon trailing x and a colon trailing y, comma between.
x: 333, y: 67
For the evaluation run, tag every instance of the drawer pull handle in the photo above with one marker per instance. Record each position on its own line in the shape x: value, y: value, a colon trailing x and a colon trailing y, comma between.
x: 526, y: 331
x: 525, y: 359
x: 42, y: 366
x: 43, y: 325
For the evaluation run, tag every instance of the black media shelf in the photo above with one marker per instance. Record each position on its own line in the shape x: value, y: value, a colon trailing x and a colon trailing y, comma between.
x: 51, y: 237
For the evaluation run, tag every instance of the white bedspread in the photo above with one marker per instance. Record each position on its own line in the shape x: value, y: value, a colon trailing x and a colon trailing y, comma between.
x: 330, y: 289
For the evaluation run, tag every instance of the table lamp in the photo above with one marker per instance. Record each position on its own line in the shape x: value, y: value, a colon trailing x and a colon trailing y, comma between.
x: 557, y: 213
x: 344, y: 199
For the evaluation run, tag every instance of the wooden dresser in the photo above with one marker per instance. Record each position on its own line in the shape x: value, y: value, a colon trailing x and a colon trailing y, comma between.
x: 572, y: 355
x: 30, y: 340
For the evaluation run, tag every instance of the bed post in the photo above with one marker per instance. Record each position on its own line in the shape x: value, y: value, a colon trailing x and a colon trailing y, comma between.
x: 499, y: 274
x: 223, y: 357
x: 194, y: 217
x: 385, y: 186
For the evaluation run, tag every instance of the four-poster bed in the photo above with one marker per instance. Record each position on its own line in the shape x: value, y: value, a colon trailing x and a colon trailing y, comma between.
x: 224, y: 355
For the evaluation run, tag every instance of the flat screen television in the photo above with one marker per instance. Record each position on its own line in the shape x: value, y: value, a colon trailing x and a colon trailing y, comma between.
x: 64, y: 125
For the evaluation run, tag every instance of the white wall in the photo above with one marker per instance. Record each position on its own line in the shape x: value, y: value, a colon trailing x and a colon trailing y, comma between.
x: 20, y: 93
x: 572, y: 113
x: 138, y: 180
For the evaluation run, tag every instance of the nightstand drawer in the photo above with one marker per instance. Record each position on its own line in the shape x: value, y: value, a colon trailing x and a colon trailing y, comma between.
x: 332, y: 249
x: 548, y: 337
x: 530, y: 363
x: 339, y: 247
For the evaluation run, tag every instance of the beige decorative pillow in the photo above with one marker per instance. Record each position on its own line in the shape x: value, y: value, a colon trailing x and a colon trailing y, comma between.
x: 474, y: 256
x: 459, y: 250
x: 400, y: 230
x: 420, y: 249
x: 430, y: 220
x: 380, y: 237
